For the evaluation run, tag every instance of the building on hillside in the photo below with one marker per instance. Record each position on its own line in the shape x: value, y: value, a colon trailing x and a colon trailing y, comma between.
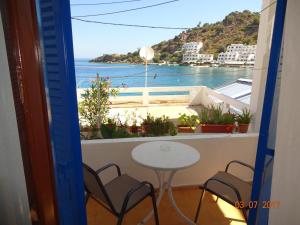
x: 238, y: 54
x: 241, y: 48
x: 192, y: 47
x: 190, y: 57
x: 228, y: 57
x: 246, y: 57
x: 191, y: 52
x: 205, y: 58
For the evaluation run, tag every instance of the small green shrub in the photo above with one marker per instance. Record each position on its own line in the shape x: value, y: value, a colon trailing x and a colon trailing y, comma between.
x: 214, y: 115
x: 108, y: 129
x: 158, y: 126
x: 228, y: 118
x: 189, y: 121
x: 95, y: 105
x: 122, y: 132
x: 148, y: 120
x: 245, y: 117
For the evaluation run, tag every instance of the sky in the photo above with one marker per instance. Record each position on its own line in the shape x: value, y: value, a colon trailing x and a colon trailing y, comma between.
x: 91, y: 40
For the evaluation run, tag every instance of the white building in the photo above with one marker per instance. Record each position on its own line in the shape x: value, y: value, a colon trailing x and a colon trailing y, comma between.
x: 241, y: 48
x: 192, y: 47
x: 190, y: 57
x: 246, y: 57
x: 204, y: 58
x: 191, y: 52
x: 238, y: 54
x: 228, y: 57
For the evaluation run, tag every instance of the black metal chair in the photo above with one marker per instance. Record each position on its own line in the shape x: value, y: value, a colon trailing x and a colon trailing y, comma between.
x: 120, y: 194
x: 228, y: 187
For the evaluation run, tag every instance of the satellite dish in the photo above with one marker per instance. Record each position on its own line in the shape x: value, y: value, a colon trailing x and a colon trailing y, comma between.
x: 146, y: 53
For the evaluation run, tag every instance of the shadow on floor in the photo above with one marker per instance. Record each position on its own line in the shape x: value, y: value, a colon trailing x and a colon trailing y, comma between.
x: 212, y: 213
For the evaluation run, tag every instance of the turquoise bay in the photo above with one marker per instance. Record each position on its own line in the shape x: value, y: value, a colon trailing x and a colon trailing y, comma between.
x: 132, y: 75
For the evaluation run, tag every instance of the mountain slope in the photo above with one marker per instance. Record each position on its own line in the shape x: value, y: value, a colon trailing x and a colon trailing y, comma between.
x: 237, y: 27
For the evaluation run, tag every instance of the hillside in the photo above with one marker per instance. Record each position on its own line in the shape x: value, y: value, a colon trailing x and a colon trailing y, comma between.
x: 237, y: 27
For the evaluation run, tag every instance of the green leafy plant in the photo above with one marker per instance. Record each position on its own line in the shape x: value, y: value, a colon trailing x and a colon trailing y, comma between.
x: 188, y: 120
x: 108, y: 128
x: 122, y: 132
x: 211, y: 115
x: 245, y: 117
x: 148, y: 120
x: 228, y: 118
x: 158, y: 126
x: 95, y: 105
x: 172, y: 129
x: 214, y: 115
x: 112, y: 129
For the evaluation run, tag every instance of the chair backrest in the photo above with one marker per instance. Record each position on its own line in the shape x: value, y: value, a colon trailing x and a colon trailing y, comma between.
x: 94, y: 186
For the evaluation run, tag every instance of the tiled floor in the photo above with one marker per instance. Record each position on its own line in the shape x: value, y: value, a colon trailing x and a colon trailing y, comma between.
x: 212, y: 213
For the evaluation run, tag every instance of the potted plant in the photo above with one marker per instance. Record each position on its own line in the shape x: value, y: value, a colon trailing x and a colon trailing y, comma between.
x: 187, y: 124
x: 213, y: 120
x: 244, y: 120
x: 147, y: 122
x: 158, y: 126
x: 122, y: 132
x: 228, y: 120
x: 108, y: 128
x: 94, y: 106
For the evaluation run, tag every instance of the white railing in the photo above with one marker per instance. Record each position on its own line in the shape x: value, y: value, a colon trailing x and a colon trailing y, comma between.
x: 160, y: 95
x: 189, y: 95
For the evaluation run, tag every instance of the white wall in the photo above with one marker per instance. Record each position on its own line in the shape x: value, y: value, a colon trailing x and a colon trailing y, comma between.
x: 262, y: 61
x: 215, y: 152
x: 14, y: 207
x: 286, y: 184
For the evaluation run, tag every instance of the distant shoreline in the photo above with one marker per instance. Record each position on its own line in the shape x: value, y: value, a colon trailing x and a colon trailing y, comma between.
x: 132, y: 75
x: 175, y: 64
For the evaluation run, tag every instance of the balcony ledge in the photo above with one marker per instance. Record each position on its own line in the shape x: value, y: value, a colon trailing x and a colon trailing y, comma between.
x: 169, y: 138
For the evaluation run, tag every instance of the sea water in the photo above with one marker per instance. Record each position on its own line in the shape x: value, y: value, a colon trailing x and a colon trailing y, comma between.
x: 133, y: 75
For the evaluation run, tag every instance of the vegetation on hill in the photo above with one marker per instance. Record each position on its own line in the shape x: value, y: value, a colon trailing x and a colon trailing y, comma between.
x: 237, y: 27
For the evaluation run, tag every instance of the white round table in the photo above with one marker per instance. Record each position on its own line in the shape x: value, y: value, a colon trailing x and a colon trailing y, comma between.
x: 165, y: 157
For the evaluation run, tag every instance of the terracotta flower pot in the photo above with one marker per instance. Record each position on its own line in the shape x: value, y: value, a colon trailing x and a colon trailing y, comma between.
x: 243, y: 128
x: 217, y: 128
x: 185, y: 129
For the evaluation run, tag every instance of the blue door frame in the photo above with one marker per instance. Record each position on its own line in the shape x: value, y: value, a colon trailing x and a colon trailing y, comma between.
x: 263, y: 150
x: 54, y: 21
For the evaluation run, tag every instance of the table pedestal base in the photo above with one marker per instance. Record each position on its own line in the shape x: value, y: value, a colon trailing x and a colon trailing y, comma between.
x: 167, y: 186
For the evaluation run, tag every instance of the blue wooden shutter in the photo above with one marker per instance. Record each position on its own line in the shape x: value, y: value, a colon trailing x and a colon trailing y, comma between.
x: 262, y: 182
x: 57, y: 48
